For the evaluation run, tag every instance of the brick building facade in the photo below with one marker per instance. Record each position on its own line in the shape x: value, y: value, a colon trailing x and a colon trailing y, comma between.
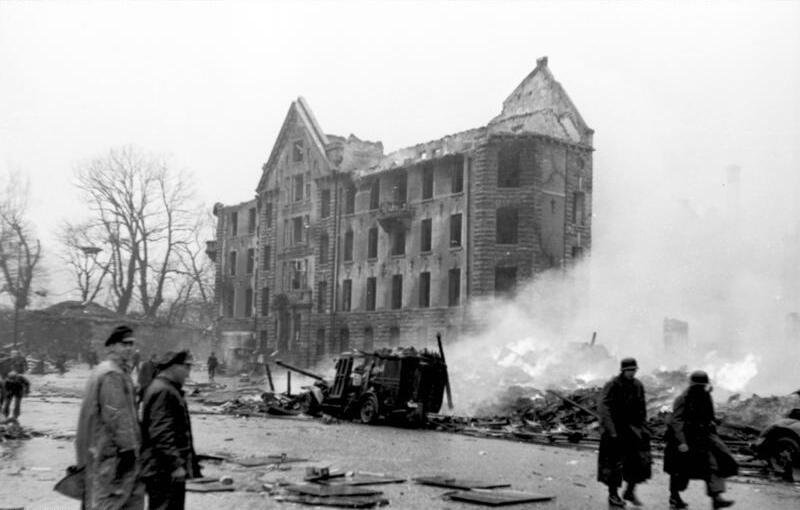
x: 347, y: 247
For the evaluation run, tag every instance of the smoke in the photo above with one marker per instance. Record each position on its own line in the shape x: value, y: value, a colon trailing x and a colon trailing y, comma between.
x: 722, y: 259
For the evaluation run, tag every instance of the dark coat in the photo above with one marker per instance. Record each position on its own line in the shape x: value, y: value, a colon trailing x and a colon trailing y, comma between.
x: 693, y: 423
x: 147, y: 371
x: 16, y: 386
x: 166, y: 431
x: 623, y: 415
x: 213, y: 362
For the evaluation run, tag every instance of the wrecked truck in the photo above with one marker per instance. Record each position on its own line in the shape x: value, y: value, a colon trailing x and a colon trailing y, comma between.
x: 779, y: 445
x: 401, y: 385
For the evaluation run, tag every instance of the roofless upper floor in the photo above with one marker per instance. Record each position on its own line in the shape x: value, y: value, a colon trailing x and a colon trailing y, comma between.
x: 539, y: 105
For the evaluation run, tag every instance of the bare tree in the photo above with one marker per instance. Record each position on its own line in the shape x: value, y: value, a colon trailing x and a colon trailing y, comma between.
x: 20, y: 250
x: 193, y: 299
x: 146, y: 210
x: 85, y: 258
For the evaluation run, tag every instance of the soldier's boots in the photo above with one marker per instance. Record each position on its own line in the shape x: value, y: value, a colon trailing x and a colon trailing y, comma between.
x: 630, y: 496
x: 719, y: 502
x: 676, y: 503
x: 615, y: 501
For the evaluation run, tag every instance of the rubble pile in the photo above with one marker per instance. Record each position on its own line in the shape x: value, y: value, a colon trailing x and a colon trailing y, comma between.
x: 756, y: 412
x: 245, y: 401
x: 556, y: 411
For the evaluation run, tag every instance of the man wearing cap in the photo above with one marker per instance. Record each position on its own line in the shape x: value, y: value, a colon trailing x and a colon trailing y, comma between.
x: 108, y: 438
x: 168, y: 457
x: 625, y: 439
x: 694, y: 450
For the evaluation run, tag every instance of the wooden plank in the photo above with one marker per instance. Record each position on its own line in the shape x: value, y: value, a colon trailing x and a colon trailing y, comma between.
x: 365, y: 479
x: 326, y: 491
x: 209, y: 487
x: 335, y: 501
x: 263, y: 460
x: 205, y: 479
x: 458, y: 483
x: 498, y: 497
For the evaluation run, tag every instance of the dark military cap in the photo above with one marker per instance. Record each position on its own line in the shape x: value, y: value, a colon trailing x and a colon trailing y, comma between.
x: 628, y: 364
x: 174, y: 358
x: 119, y: 334
x: 698, y: 377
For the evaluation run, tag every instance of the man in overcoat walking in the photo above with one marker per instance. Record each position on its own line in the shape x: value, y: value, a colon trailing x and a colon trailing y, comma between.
x: 108, y: 437
x: 625, y: 439
x: 168, y: 452
x: 694, y: 450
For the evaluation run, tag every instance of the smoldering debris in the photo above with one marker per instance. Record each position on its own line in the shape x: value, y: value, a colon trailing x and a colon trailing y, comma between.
x: 571, y: 416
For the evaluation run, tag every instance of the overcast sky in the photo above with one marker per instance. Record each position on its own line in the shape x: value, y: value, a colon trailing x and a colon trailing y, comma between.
x: 675, y: 92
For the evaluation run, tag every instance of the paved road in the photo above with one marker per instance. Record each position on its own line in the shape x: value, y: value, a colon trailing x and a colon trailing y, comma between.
x: 28, y: 469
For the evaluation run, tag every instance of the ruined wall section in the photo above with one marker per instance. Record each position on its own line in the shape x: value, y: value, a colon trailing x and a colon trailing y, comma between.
x: 233, y: 243
x: 385, y: 326
x: 488, y: 197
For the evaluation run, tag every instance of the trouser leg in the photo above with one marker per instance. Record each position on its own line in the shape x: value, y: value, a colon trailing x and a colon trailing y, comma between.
x: 164, y: 494
x: 17, y: 404
x: 677, y: 484
x: 715, y: 485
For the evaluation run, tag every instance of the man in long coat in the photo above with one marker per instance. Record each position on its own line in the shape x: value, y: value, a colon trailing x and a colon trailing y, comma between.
x: 168, y: 456
x: 108, y: 438
x: 694, y: 450
x: 625, y: 440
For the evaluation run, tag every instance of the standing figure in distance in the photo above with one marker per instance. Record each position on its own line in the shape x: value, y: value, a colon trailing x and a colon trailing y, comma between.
x: 15, y: 387
x: 694, y: 450
x: 625, y: 440
x: 91, y: 358
x: 108, y: 437
x: 212, y: 364
x: 168, y: 457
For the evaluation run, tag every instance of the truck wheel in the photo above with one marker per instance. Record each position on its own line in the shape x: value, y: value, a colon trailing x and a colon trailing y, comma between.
x: 784, y: 457
x: 369, y: 409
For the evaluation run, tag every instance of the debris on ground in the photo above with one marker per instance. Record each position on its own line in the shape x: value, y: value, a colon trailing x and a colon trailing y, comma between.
x: 11, y: 429
x: 193, y: 486
x: 324, y: 491
x: 265, y: 460
x: 334, y: 501
x: 497, y: 497
x: 756, y: 412
x: 558, y: 415
x: 364, y: 478
x: 458, y: 483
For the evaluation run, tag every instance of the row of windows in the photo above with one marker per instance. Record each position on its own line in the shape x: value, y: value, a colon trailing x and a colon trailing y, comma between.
x: 507, y: 228
x: 509, y: 170
x: 398, y: 239
x: 505, y: 281
x: 506, y: 219
x: 396, y: 297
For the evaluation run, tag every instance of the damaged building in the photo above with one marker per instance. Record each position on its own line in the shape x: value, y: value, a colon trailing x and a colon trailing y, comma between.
x: 344, y: 246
